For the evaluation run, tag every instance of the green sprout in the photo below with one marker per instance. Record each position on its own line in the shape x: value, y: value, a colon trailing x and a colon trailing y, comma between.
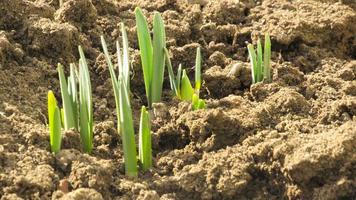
x: 69, y: 98
x: 145, y: 149
x: 181, y: 84
x: 152, y: 55
x: 77, y: 111
x: 260, y: 63
x: 85, y: 104
x: 54, y: 122
x: 122, y: 100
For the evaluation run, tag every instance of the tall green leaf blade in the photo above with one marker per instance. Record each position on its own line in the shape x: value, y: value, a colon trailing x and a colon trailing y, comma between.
x: 127, y: 131
x: 125, y: 57
x: 145, y: 144
x: 253, y: 60
x: 179, y: 78
x: 54, y: 120
x: 159, y: 43
x: 172, y: 79
x: 72, y: 89
x: 267, y: 59
x: 187, y: 90
x: 259, y: 61
x: 198, y: 71
x: 146, y: 51
x: 69, y: 121
x: 114, y: 81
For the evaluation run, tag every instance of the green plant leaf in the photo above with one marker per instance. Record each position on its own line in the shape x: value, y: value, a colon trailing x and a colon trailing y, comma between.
x: 267, y: 59
x: 253, y: 60
x: 259, y: 61
x: 187, y: 90
x: 159, y: 43
x: 145, y: 149
x: 146, y: 51
x: 54, y: 120
x: 198, y: 71
x: 127, y: 131
x: 172, y: 79
x: 69, y: 120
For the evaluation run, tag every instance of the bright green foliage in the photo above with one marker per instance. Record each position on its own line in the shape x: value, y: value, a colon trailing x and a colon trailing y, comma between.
x: 152, y: 54
x: 85, y: 104
x: 186, y: 89
x: 181, y: 84
x: 54, y: 122
x: 260, y: 63
x: 145, y: 149
x: 123, y: 107
x: 68, y: 103
x: 198, y: 71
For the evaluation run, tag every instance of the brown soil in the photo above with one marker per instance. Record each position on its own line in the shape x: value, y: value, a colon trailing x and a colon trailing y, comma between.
x: 294, y: 138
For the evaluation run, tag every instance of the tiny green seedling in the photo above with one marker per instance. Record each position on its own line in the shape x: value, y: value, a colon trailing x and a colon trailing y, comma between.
x: 181, y: 84
x: 260, y: 63
x: 77, y: 111
x: 145, y: 149
x: 152, y: 55
x: 122, y: 100
x: 54, y: 122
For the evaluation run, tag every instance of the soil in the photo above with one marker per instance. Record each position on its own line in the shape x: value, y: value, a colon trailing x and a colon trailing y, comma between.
x: 294, y: 138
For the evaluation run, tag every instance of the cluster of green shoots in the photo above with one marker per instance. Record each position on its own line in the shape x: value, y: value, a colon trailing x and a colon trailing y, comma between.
x: 77, y: 111
x: 260, y: 61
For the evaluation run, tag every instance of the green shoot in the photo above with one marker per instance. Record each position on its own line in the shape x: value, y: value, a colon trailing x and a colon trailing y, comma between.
x: 145, y: 150
x: 260, y: 63
x: 181, y: 85
x: 69, y: 115
x: 85, y: 104
x: 54, y: 119
x: 123, y: 107
x: 152, y: 55
x: 198, y: 71
x: 186, y: 89
x: 127, y: 130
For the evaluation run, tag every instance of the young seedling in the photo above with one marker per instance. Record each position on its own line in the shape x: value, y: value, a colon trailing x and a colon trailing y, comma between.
x: 152, y: 55
x: 181, y: 84
x: 69, y: 98
x: 145, y: 149
x: 123, y: 107
x: 260, y: 63
x: 85, y: 104
x: 54, y: 122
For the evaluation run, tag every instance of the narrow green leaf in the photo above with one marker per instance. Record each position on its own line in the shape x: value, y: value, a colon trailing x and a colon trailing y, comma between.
x: 187, y: 90
x: 54, y: 120
x: 195, y: 101
x: 259, y: 61
x: 253, y: 60
x: 69, y: 121
x: 179, y: 78
x: 127, y: 131
x: 267, y: 59
x: 159, y: 43
x: 146, y: 51
x: 145, y: 149
x: 85, y: 104
x: 172, y: 79
x: 125, y: 57
x: 72, y: 90
x: 201, y: 104
x: 198, y: 71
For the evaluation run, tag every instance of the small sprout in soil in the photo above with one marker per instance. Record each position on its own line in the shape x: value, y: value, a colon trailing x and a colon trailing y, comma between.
x: 69, y: 98
x: 181, y: 84
x: 145, y: 150
x: 85, y: 104
x: 54, y: 119
x: 152, y: 55
x: 122, y: 100
x: 260, y: 63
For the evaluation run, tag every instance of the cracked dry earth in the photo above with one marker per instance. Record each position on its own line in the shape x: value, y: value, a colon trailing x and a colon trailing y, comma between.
x: 294, y: 138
